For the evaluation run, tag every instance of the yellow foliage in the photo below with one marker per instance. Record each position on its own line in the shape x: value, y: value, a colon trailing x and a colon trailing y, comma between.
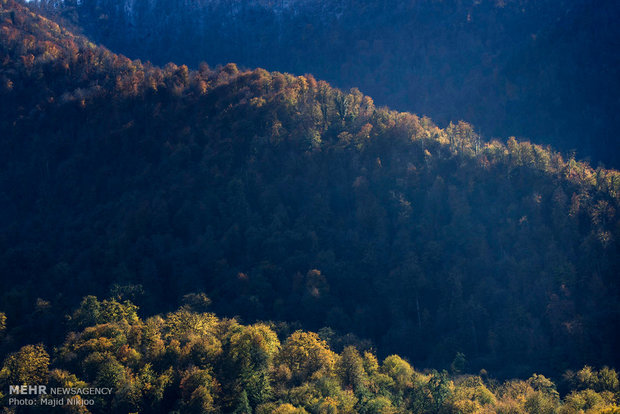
x: 305, y: 353
x: 288, y: 409
x: 28, y: 366
x: 183, y: 322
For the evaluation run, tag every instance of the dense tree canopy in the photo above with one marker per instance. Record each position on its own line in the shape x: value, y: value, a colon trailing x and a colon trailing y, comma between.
x: 151, y: 369
x: 284, y: 199
x: 543, y: 69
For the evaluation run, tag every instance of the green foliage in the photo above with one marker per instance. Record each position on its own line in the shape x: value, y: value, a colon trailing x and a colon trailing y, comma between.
x: 605, y: 379
x: 439, y: 388
x: 89, y: 312
x: 471, y: 394
x: 541, y: 403
x: 251, y: 352
x: 111, y: 374
x: 253, y: 348
x: 243, y: 404
x: 350, y: 368
x: 542, y: 384
x: 93, y: 312
x: 253, y: 373
x: 399, y: 371
x: 197, y: 389
x: 379, y: 405
x: 458, y: 364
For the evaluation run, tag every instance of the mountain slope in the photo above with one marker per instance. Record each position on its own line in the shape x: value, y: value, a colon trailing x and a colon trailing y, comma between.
x: 285, y: 199
x: 547, y: 70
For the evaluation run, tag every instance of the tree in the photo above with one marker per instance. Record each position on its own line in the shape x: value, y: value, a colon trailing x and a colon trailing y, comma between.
x: 196, y: 302
x: 93, y: 312
x: 197, y: 390
x: 111, y: 374
x: 88, y: 313
x: 288, y: 409
x: 243, y: 405
x: 28, y: 366
x: 458, y: 364
x: 399, y: 370
x: 379, y: 405
x: 305, y: 354
x: 439, y: 387
x: 351, y: 369
x: 253, y: 348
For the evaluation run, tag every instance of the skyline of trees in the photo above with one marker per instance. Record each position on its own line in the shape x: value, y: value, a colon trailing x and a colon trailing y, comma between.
x: 546, y: 70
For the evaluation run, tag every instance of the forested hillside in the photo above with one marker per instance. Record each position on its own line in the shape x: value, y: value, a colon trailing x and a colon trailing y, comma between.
x: 548, y: 70
x: 190, y: 361
x: 285, y: 199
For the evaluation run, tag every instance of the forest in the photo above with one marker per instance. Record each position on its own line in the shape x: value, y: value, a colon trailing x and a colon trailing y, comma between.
x: 190, y: 361
x: 328, y: 235
x: 548, y: 70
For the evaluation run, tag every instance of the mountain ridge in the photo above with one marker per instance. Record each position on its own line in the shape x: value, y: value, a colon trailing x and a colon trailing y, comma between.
x: 545, y: 70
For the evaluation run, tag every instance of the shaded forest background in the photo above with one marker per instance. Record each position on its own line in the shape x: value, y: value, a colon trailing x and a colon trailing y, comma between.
x: 547, y: 70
